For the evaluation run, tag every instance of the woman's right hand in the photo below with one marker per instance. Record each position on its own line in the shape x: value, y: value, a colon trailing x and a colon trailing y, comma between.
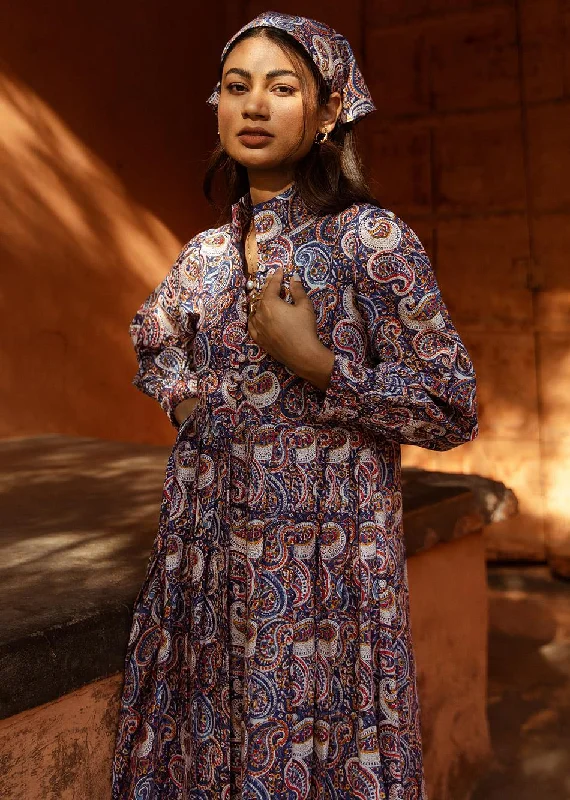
x: 184, y: 409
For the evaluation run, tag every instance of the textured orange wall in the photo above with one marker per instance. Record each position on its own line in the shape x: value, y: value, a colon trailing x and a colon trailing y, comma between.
x: 103, y: 129
x: 473, y: 148
x: 62, y: 750
x: 103, y: 135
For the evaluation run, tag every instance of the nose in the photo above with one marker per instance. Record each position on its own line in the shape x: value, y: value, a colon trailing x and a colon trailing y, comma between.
x: 255, y: 106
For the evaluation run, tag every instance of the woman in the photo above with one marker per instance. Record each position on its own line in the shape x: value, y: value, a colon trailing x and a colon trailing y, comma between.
x: 296, y: 347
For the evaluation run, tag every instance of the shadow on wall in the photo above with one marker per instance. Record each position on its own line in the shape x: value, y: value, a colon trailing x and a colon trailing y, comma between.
x: 76, y: 251
x: 101, y: 164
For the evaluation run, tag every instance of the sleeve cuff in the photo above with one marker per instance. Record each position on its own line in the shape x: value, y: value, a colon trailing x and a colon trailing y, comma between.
x: 182, y: 390
x: 341, y: 401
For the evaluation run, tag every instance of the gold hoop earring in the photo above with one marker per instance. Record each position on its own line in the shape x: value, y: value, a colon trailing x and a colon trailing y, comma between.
x: 321, y: 137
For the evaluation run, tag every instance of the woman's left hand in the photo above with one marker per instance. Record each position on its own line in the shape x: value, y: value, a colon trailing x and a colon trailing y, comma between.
x: 288, y: 331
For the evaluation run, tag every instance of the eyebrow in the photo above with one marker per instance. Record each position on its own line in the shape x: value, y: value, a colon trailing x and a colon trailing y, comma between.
x: 274, y: 73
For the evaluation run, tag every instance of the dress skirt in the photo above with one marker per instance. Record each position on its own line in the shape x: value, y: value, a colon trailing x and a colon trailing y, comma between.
x: 270, y: 653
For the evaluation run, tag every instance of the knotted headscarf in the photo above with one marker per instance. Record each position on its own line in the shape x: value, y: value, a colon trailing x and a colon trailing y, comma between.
x: 331, y: 53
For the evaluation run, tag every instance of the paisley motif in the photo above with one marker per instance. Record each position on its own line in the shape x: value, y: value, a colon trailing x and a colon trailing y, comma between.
x: 261, y: 390
x: 265, y: 740
x: 297, y: 779
x: 143, y: 789
x: 395, y: 270
x: 263, y: 697
x: 146, y: 745
x: 313, y: 260
x: 272, y: 595
x: 379, y: 233
x: 203, y: 717
x: 362, y: 781
x: 170, y: 360
x: 176, y: 771
x: 174, y: 550
x: 215, y: 244
x: 276, y: 252
x: 270, y: 652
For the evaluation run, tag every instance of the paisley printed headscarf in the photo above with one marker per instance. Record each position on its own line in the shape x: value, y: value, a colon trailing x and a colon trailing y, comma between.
x: 331, y: 53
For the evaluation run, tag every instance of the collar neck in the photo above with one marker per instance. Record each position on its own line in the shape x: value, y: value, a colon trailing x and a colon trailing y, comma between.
x: 287, y: 208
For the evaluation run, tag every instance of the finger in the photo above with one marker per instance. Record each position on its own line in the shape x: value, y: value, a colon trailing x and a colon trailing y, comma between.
x: 273, y: 283
x: 296, y: 288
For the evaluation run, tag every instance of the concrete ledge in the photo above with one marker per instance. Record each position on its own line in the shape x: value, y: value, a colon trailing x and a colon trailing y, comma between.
x: 78, y: 520
x: 495, y: 501
x: 448, y: 603
x: 79, y: 517
x: 62, y: 750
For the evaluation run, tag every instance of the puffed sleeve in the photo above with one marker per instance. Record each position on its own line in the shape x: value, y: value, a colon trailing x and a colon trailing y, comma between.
x: 163, y: 330
x: 400, y: 368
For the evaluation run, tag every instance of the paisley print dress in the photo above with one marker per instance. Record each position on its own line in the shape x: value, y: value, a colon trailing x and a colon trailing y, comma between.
x: 270, y: 656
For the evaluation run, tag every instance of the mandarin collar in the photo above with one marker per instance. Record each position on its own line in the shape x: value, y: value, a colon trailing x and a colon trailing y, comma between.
x: 287, y: 208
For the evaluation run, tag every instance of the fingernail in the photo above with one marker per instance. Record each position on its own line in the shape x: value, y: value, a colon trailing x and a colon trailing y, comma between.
x: 295, y: 276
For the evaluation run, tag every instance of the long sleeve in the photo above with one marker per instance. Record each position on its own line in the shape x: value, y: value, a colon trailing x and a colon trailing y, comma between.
x: 162, y: 332
x: 400, y: 368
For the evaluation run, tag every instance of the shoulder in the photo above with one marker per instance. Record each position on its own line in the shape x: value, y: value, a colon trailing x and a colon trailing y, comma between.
x: 193, y: 259
x: 212, y: 241
x: 377, y: 229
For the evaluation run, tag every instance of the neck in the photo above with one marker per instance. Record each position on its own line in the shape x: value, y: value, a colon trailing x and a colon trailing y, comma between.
x: 263, y: 186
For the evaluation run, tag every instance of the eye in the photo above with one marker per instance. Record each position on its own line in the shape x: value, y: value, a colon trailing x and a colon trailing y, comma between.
x: 284, y: 90
x: 236, y: 88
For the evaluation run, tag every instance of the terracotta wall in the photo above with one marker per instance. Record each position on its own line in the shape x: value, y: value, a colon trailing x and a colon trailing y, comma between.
x: 472, y: 146
x: 104, y: 131
x: 103, y: 135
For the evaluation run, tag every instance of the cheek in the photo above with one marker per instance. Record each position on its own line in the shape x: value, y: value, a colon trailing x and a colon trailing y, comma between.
x: 289, y: 121
x: 227, y: 112
x: 301, y: 133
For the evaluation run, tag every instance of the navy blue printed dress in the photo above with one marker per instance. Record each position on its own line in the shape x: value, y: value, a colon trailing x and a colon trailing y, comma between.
x: 270, y: 656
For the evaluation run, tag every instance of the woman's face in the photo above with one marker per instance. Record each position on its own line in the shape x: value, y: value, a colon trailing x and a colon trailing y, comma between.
x: 260, y: 112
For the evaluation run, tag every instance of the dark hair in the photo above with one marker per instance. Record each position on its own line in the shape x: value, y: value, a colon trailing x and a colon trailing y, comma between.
x: 329, y: 178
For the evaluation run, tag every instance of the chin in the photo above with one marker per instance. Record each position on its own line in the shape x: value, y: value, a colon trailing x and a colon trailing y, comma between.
x: 252, y: 160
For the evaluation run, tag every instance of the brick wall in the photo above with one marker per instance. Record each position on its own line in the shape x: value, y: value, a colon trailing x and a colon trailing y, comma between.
x: 102, y: 149
x: 472, y: 147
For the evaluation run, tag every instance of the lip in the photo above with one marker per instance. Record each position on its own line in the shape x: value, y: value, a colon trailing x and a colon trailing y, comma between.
x: 254, y: 137
x: 260, y: 131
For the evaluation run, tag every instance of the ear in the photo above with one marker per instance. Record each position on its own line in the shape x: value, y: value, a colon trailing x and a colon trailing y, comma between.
x: 329, y: 113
